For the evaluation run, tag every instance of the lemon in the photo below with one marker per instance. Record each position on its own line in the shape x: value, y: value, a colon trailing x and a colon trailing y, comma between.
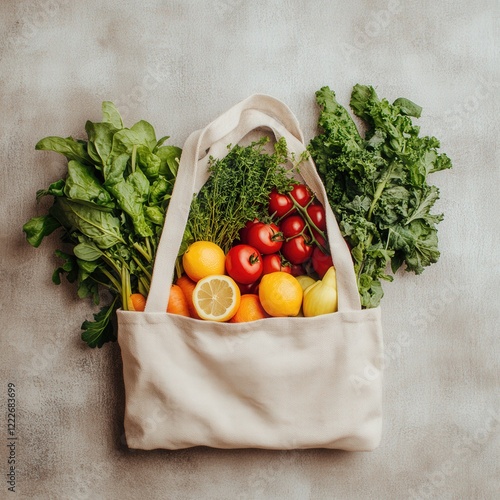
x: 280, y: 294
x: 216, y: 298
x: 203, y: 258
x: 305, y: 281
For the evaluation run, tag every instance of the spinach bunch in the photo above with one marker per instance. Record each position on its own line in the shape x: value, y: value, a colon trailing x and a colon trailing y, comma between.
x: 377, y: 184
x: 111, y: 208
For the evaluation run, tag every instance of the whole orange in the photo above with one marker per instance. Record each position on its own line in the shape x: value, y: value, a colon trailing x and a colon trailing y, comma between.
x: 250, y: 309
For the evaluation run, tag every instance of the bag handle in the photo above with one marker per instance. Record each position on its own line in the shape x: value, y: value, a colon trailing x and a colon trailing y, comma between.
x: 255, y: 112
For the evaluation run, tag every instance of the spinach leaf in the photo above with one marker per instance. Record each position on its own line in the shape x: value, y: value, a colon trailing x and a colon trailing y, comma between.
x: 146, y: 134
x: 169, y: 160
x: 130, y: 195
x: 69, y: 267
x: 148, y: 162
x: 55, y: 189
x: 113, y: 172
x: 73, y: 150
x: 100, y: 141
x: 155, y: 214
x: 96, y: 333
x: 87, y: 251
x: 83, y: 185
x: 39, y: 227
x: 110, y: 114
x: 100, y: 226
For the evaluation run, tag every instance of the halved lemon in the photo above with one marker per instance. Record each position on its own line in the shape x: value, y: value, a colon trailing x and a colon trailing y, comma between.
x: 216, y: 298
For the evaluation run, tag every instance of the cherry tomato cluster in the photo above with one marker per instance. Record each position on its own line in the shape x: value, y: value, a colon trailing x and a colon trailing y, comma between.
x: 293, y: 240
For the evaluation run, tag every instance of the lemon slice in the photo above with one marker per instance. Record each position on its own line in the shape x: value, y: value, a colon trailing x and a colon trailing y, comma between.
x: 216, y: 298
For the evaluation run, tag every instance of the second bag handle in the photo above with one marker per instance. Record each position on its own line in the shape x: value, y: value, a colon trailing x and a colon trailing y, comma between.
x: 257, y: 111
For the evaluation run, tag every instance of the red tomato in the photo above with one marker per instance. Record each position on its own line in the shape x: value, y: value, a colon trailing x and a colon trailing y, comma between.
x: 244, y: 264
x: 292, y: 226
x: 298, y: 270
x: 273, y: 263
x: 296, y: 250
x: 248, y: 288
x: 317, y: 216
x: 266, y: 238
x: 321, y: 262
x: 279, y: 204
x: 301, y: 194
x: 244, y: 231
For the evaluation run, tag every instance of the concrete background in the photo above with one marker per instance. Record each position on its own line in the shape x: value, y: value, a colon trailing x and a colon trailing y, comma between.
x: 179, y: 64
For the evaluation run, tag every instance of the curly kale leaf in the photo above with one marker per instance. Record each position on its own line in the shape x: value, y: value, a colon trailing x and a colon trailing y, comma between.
x: 377, y: 185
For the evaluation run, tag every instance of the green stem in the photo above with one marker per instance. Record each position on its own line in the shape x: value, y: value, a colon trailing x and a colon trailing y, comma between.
x: 126, y: 288
x: 142, y: 251
x: 134, y: 156
x: 148, y: 246
x: 142, y: 268
x: 310, y: 224
x: 144, y: 285
x: 112, y: 279
x: 107, y: 258
x: 378, y: 192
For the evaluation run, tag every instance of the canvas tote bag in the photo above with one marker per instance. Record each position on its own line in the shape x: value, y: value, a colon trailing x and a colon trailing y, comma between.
x: 275, y: 383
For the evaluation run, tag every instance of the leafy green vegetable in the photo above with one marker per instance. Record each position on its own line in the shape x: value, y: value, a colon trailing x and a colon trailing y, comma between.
x: 39, y: 227
x: 73, y: 150
x: 377, y: 184
x: 111, y: 207
x: 96, y: 333
x: 237, y: 191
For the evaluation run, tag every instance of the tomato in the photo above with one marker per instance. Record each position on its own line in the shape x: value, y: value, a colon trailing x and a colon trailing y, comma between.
x: 266, y: 238
x: 243, y: 233
x: 300, y: 193
x: 244, y: 264
x: 292, y: 226
x: 273, y: 263
x: 248, y: 288
x: 297, y: 250
x: 317, y: 215
x: 321, y: 262
x: 279, y: 204
x: 298, y: 270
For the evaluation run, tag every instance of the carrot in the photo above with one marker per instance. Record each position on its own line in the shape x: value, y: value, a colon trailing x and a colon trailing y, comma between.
x: 177, y: 303
x: 137, y: 302
x: 187, y: 285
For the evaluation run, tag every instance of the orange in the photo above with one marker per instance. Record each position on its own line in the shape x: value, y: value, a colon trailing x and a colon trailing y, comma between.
x: 177, y: 303
x: 202, y: 259
x: 216, y: 298
x: 280, y: 294
x: 137, y: 302
x: 187, y: 285
x: 250, y: 309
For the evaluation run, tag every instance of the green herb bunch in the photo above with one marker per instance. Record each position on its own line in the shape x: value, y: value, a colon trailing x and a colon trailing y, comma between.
x: 377, y: 185
x: 110, y: 207
x: 237, y: 191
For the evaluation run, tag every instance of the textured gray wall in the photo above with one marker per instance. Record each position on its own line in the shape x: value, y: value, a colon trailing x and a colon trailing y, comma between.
x: 179, y: 64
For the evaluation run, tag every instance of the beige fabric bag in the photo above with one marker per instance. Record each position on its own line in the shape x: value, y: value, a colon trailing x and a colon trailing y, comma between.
x: 277, y: 383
